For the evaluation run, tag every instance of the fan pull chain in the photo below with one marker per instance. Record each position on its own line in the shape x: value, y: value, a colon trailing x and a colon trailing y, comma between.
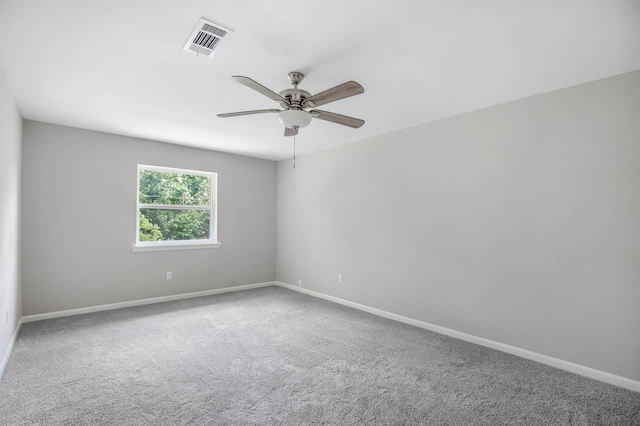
x: 294, y: 151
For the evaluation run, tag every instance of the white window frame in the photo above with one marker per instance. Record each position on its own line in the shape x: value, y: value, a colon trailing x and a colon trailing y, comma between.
x: 211, y: 242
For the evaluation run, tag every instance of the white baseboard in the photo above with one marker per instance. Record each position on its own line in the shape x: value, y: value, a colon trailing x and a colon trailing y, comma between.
x: 12, y: 342
x: 140, y: 302
x: 592, y: 373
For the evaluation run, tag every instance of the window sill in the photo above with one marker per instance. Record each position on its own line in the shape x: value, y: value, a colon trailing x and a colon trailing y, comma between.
x: 181, y: 246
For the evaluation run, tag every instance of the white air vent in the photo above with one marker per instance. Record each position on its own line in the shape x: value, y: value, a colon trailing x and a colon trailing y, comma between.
x: 206, y: 38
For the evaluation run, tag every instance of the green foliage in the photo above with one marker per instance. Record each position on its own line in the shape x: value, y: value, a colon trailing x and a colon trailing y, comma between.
x: 174, y: 189
x: 158, y: 224
x: 177, y: 224
x: 149, y: 231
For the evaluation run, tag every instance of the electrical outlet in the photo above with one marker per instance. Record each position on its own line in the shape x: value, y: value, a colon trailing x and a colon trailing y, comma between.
x: 340, y: 278
x: 169, y: 275
x: 299, y: 283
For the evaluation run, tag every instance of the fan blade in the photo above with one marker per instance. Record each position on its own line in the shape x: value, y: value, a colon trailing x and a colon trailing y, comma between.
x: 252, y: 84
x: 257, y: 111
x: 290, y: 132
x: 337, y: 118
x: 345, y: 90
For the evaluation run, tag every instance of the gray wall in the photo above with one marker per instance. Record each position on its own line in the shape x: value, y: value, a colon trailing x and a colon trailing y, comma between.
x: 517, y: 223
x: 10, y: 152
x: 79, y: 209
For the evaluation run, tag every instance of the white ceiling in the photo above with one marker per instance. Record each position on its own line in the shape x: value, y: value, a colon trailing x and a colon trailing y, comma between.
x: 118, y: 66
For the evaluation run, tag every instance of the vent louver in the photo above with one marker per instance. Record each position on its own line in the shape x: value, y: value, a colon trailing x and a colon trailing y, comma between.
x: 206, y: 38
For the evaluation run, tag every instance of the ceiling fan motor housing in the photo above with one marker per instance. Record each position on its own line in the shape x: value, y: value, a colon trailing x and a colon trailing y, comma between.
x: 295, y: 96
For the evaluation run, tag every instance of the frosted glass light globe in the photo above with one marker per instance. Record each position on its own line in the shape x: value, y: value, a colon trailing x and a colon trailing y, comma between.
x: 294, y: 118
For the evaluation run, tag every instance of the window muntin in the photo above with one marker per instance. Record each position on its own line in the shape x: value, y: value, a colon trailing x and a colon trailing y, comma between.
x: 175, y: 207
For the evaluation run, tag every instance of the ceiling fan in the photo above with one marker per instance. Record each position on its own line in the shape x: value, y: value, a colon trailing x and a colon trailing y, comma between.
x: 296, y: 103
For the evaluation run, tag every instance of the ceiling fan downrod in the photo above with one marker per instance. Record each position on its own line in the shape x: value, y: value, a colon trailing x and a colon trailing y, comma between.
x: 295, y: 78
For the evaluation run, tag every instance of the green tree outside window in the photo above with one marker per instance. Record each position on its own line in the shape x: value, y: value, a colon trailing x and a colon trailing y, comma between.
x: 174, y: 206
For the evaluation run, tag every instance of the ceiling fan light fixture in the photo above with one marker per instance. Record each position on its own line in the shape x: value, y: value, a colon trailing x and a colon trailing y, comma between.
x: 295, y: 102
x: 293, y: 118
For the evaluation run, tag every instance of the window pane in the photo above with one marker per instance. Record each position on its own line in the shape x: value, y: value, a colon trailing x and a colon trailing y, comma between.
x: 169, y: 225
x: 174, y: 188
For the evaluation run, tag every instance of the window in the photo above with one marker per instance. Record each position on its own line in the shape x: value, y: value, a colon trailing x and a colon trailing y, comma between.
x: 176, y: 209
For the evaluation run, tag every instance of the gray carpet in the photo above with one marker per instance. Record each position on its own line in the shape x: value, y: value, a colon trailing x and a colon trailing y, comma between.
x: 271, y: 356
